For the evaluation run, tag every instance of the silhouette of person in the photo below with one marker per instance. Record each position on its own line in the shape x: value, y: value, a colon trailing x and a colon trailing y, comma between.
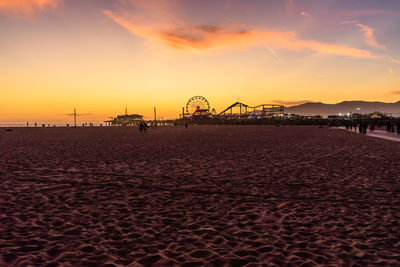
x: 398, y: 127
x: 141, y: 127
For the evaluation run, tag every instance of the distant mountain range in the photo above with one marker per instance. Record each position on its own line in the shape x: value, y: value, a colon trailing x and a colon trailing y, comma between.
x: 343, y: 107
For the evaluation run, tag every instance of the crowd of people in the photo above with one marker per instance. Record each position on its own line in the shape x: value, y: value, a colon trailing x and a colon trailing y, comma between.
x: 391, y: 125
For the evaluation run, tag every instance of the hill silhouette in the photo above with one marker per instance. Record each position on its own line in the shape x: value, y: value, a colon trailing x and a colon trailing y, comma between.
x: 319, y: 108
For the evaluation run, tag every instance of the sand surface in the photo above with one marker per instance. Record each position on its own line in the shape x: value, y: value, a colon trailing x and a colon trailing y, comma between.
x: 222, y: 195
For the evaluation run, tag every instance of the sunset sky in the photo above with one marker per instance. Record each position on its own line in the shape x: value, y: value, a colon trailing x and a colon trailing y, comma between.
x: 100, y: 55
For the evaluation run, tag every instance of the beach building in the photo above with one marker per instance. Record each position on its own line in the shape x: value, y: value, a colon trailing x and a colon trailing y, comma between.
x: 125, y: 120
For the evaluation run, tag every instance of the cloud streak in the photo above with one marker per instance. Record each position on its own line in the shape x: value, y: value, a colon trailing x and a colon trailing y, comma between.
x: 27, y: 6
x: 393, y: 60
x: 305, y: 14
x: 180, y: 35
x: 394, y: 92
x: 369, y: 37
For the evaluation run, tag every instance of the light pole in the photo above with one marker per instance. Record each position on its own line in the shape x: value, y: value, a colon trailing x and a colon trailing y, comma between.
x: 155, y: 117
x: 75, y: 117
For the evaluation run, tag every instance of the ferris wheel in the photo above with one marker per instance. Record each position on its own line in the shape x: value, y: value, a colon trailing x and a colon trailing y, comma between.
x: 197, y: 103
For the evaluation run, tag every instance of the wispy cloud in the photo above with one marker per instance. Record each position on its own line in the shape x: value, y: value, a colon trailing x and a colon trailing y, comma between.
x: 369, y: 37
x: 393, y: 60
x: 290, y: 103
x: 350, y: 22
x: 26, y: 6
x: 368, y: 32
x: 180, y: 35
x: 305, y: 14
x: 390, y: 70
x: 394, y: 92
x: 274, y: 53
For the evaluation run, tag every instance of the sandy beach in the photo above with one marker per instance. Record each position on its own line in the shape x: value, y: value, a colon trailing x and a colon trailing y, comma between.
x: 221, y: 195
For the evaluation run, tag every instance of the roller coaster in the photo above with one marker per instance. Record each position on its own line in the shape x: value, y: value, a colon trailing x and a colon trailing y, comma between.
x: 199, y: 107
x: 239, y: 110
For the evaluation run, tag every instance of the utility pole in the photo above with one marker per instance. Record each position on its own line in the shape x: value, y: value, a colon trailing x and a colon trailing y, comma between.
x: 155, y: 118
x: 126, y: 110
x: 75, y: 117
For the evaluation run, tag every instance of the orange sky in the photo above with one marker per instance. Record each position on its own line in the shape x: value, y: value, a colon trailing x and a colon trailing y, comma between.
x: 99, y: 56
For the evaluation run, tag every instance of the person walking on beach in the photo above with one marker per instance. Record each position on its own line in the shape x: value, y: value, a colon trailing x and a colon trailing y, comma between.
x: 398, y: 126
x: 141, y: 127
x: 145, y: 127
x: 389, y: 126
x: 372, y: 127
